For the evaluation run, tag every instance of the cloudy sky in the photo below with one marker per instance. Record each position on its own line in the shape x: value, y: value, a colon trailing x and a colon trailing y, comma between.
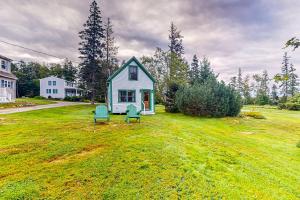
x: 232, y: 33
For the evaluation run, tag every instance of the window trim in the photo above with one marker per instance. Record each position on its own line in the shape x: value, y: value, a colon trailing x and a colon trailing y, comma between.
x: 137, y: 73
x: 48, y: 91
x: 54, y: 83
x: 119, y: 97
x: 56, y: 91
x: 49, y: 83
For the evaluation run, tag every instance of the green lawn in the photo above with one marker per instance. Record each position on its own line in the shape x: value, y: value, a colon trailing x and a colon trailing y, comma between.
x: 57, y: 153
x: 25, y: 102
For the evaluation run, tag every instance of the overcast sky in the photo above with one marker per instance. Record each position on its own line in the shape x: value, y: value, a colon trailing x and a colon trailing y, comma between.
x: 232, y: 33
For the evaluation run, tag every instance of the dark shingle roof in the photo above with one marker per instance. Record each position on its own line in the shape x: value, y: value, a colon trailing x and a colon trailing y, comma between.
x: 8, y: 75
x: 5, y: 58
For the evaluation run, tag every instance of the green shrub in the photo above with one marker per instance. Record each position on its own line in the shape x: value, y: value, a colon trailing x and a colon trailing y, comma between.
x: 39, y: 97
x: 255, y: 115
x: 293, y: 103
x: 211, y: 98
x: 74, y: 98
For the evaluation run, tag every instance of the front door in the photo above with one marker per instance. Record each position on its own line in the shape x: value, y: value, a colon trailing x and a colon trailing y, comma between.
x: 147, y: 100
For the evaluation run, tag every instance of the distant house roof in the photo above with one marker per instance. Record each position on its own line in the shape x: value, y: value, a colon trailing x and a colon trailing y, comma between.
x: 126, y: 64
x: 5, y: 58
x: 8, y: 75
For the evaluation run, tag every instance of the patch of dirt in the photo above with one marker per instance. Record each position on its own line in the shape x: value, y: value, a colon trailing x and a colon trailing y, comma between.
x: 89, y: 150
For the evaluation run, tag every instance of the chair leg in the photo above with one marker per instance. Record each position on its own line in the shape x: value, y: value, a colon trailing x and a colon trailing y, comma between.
x: 95, y: 121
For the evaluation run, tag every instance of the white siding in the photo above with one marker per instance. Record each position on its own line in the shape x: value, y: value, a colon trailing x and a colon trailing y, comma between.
x: 60, y: 86
x: 7, y: 94
x: 121, y: 82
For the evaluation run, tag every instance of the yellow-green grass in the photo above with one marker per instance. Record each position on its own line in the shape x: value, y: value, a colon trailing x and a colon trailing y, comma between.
x: 25, y: 102
x: 59, y: 154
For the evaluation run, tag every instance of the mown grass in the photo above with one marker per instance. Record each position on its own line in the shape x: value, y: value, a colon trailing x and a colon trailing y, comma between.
x: 59, y: 154
x: 25, y: 102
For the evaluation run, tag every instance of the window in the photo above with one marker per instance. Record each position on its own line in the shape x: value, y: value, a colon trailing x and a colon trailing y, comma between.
x: 54, y: 83
x: 5, y: 83
x: 49, y: 82
x: 133, y: 73
x: 55, y: 91
x: 8, y: 84
x: 2, y: 83
x: 3, y: 64
x: 126, y: 96
x: 48, y: 91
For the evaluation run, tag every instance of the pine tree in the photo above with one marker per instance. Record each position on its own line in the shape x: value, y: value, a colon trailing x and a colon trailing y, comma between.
x: 110, y: 49
x: 284, y: 77
x: 246, y: 90
x: 69, y: 71
x: 177, y: 67
x: 233, y: 82
x: 261, y: 88
x: 274, y: 95
x: 206, y: 73
x: 240, y: 82
x: 91, y: 49
x: 194, y: 71
x: 293, y: 84
x: 175, y: 38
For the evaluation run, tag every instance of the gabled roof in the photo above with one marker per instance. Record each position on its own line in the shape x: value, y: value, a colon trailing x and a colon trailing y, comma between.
x: 126, y: 65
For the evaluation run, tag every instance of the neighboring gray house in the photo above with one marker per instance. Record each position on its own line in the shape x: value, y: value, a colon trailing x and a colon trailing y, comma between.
x: 131, y: 84
x: 7, y: 81
x: 58, y: 88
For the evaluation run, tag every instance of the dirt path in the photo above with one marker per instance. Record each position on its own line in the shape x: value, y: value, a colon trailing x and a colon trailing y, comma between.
x: 25, y: 109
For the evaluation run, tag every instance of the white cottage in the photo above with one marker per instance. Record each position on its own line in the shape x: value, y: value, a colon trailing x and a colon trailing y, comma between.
x: 7, y: 81
x: 59, y: 88
x: 131, y: 84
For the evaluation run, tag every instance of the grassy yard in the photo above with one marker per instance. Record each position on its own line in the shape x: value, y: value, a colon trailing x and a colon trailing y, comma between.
x: 25, y: 102
x: 57, y: 153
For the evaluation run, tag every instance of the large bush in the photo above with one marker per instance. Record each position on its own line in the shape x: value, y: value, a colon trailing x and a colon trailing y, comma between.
x: 170, y: 104
x: 292, y: 103
x: 211, y: 98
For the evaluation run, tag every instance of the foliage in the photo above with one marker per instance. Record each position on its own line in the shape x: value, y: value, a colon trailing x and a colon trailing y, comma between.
x: 261, y: 88
x: 292, y: 82
x: 194, y: 72
x: 253, y: 114
x: 175, y: 38
x: 91, y: 50
x: 283, y: 78
x: 293, y: 42
x: 170, y: 104
x: 298, y: 144
x: 211, y: 98
x: 293, y: 103
x: 74, y: 98
x: 157, y: 65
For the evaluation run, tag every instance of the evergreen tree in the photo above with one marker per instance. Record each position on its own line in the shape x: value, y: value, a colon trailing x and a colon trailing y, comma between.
x: 91, y: 49
x: 56, y: 70
x: 69, y: 71
x: 240, y: 82
x: 194, y: 71
x: 261, y: 88
x: 274, y: 95
x: 175, y: 38
x: 293, y: 84
x: 283, y: 78
x: 206, y: 73
x: 110, y: 49
x: 233, y: 82
x: 246, y: 90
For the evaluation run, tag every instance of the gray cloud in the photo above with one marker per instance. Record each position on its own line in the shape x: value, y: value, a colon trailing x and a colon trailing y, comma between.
x: 232, y: 33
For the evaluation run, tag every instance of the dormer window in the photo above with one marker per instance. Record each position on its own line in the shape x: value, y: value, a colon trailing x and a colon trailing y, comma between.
x: 133, y: 73
x: 3, y: 64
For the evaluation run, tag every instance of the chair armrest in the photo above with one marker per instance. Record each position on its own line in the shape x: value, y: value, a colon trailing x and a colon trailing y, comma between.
x: 139, y: 112
x: 127, y: 111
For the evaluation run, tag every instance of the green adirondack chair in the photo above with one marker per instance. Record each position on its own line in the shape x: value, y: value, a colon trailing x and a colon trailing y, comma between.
x: 132, y: 112
x: 101, y: 112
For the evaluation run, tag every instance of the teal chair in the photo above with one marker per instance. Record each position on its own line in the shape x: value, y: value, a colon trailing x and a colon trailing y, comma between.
x: 131, y: 112
x: 101, y: 112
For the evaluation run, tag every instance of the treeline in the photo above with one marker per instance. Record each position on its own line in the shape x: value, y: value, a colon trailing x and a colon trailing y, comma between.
x: 261, y: 89
x: 191, y: 89
x: 29, y: 73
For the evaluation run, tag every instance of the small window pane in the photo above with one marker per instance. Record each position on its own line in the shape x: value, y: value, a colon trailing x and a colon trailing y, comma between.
x: 49, y: 82
x: 132, y: 72
x: 131, y: 96
x: 122, y: 96
x: 54, y: 83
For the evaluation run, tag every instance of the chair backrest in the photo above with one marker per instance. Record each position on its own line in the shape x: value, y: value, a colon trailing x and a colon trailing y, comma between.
x: 101, y: 110
x: 132, y: 110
